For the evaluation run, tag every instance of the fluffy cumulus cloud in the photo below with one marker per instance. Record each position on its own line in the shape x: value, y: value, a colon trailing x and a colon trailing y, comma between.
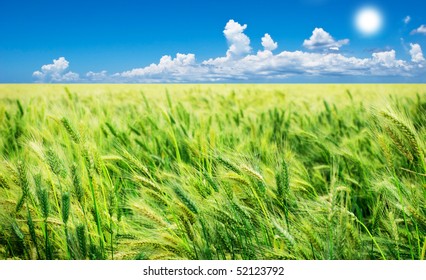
x: 420, y: 30
x: 239, y: 43
x: 268, y: 43
x: 321, y: 59
x: 416, y: 53
x: 322, y: 40
x: 56, y: 72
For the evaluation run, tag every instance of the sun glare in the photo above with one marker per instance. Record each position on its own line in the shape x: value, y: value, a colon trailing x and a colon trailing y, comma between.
x: 368, y: 20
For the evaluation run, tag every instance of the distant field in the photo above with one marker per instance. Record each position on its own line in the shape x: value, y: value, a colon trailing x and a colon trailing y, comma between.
x: 213, y: 171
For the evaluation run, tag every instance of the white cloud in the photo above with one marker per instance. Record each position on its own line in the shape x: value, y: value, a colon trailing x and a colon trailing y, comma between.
x: 241, y: 64
x: 180, y: 68
x: 55, y: 72
x: 239, y: 43
x: 265, y: 65
x: 38, y: 75
x: 59, y: 65
x: 322, y: 40
x: 167, y: 64
x: 407, y: 19
x: 416, y: 53
x: 97, y: 76
x: 387, y: 59
x: 420, y: 30
x: 268, y: 43
x: 68, y: 77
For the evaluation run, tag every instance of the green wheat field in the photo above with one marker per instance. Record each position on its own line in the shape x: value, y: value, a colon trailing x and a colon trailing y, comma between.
x: 212, y: 172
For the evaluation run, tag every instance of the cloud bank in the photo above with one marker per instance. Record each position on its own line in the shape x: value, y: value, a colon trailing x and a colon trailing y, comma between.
x: 322, y: 58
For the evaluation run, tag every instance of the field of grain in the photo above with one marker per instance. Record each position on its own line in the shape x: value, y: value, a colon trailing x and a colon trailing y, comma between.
x: 212, y: 172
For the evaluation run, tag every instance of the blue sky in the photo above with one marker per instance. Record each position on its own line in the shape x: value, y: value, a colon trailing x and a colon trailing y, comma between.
x: 214, y: 41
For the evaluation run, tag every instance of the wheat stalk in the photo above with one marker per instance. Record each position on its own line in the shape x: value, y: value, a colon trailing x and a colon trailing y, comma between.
x: 55, y: 163
x: 75, y: 136
x: 76, y: 180
x: 23, y: 183
x: 183, y: 197
x: 399, y: 144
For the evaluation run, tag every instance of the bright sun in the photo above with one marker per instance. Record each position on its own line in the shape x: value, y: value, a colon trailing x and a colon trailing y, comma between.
x: 368, y: 21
